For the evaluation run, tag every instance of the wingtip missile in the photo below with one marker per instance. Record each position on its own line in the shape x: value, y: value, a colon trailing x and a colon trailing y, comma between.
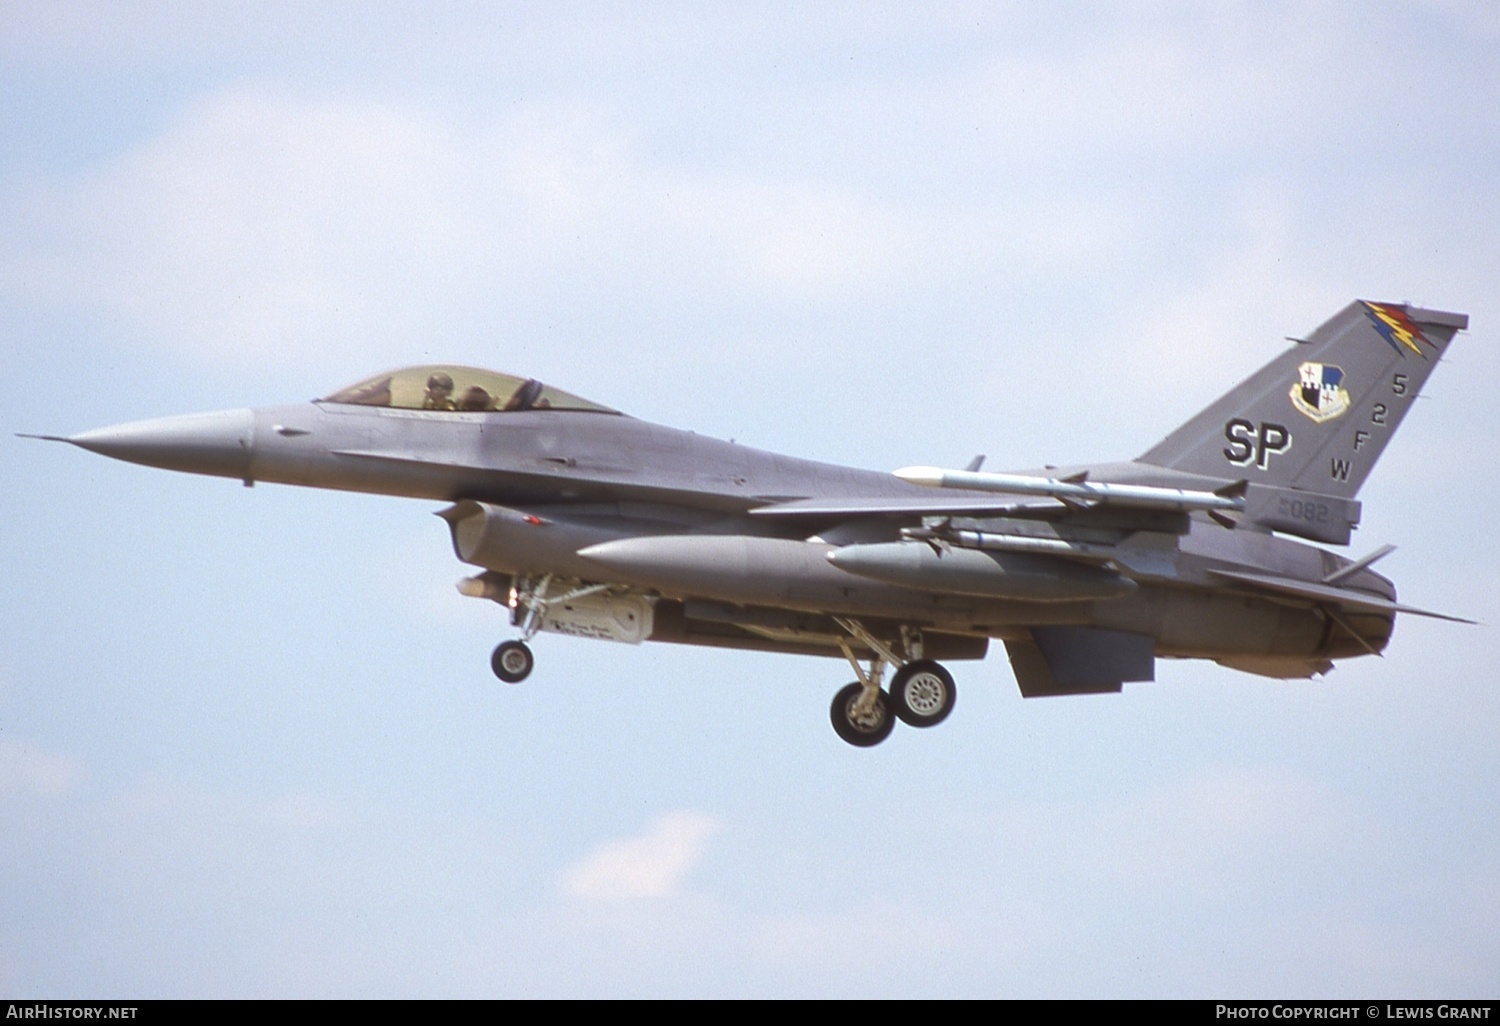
x: 1076, y: 489
x: 927, y: 477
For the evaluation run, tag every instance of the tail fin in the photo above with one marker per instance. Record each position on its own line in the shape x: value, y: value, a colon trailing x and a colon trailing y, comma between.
x: 1317, y: 417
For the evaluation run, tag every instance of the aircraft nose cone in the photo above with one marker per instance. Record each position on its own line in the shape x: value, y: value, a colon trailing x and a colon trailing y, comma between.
x: 198, y: 443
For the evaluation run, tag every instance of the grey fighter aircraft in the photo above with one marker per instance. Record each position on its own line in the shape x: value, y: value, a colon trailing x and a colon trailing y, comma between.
x: 585, y: 521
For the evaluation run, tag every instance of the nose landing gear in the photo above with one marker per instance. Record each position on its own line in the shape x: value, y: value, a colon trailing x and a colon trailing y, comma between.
x: 512, y: 661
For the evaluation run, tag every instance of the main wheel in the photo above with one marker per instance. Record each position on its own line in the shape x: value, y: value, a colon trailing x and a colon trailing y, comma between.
x: 512, y: 661
x: 865, y: 730
x: 922, y: 693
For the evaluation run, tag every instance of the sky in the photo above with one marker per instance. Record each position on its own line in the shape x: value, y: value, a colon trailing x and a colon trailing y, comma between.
x: 249, y: 742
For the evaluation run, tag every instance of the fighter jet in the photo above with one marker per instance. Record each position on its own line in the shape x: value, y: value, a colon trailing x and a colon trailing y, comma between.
x: 582, y: 520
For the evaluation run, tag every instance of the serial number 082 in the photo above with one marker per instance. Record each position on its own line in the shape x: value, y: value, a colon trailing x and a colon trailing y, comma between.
x: 1298, y: 509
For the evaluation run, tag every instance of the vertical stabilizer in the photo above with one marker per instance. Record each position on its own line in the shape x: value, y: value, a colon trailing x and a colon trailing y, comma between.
x: 1318, y: 416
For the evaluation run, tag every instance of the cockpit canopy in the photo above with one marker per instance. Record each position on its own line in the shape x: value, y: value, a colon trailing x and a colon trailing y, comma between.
x: 461, y: 390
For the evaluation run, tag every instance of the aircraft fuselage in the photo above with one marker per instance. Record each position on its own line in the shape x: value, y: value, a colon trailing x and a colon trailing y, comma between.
x: 668, y: 512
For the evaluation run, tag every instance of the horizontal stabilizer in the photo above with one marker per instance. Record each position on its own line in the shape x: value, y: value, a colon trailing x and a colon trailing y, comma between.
x: 1344, y: 598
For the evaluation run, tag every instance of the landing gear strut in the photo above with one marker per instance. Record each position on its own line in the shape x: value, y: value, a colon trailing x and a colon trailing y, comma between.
x: 922, y: 692
x: 512, y: 661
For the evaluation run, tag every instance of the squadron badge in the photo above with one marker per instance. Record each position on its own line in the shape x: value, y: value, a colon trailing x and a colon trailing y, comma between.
x: 1319, y: 393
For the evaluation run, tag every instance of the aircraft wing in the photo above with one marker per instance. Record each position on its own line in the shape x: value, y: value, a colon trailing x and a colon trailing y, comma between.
x: 1357, y: 600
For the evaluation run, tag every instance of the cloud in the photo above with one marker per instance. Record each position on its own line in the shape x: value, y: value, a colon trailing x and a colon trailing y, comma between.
x: 263, y: 225
x: 254, y: 225
x: 651, y: 865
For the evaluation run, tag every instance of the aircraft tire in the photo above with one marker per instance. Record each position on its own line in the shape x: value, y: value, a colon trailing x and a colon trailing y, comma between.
x: 865, y: 733
x: 922, y: 693
x: 512, y: 661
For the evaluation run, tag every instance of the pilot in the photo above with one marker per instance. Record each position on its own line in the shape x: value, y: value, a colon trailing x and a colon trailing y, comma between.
x: 525, y: 396
x: 439, y: 395
x: 475, y: 400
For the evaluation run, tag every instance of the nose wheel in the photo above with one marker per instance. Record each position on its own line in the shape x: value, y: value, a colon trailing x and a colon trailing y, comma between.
x: 512, y: 661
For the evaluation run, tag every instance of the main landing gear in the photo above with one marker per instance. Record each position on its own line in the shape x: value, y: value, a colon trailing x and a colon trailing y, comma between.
x: 921, y: 693
x: 862, y: 717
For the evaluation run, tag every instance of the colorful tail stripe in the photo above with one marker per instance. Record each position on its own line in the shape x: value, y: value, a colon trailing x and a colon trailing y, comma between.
x: 1397, y: 329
